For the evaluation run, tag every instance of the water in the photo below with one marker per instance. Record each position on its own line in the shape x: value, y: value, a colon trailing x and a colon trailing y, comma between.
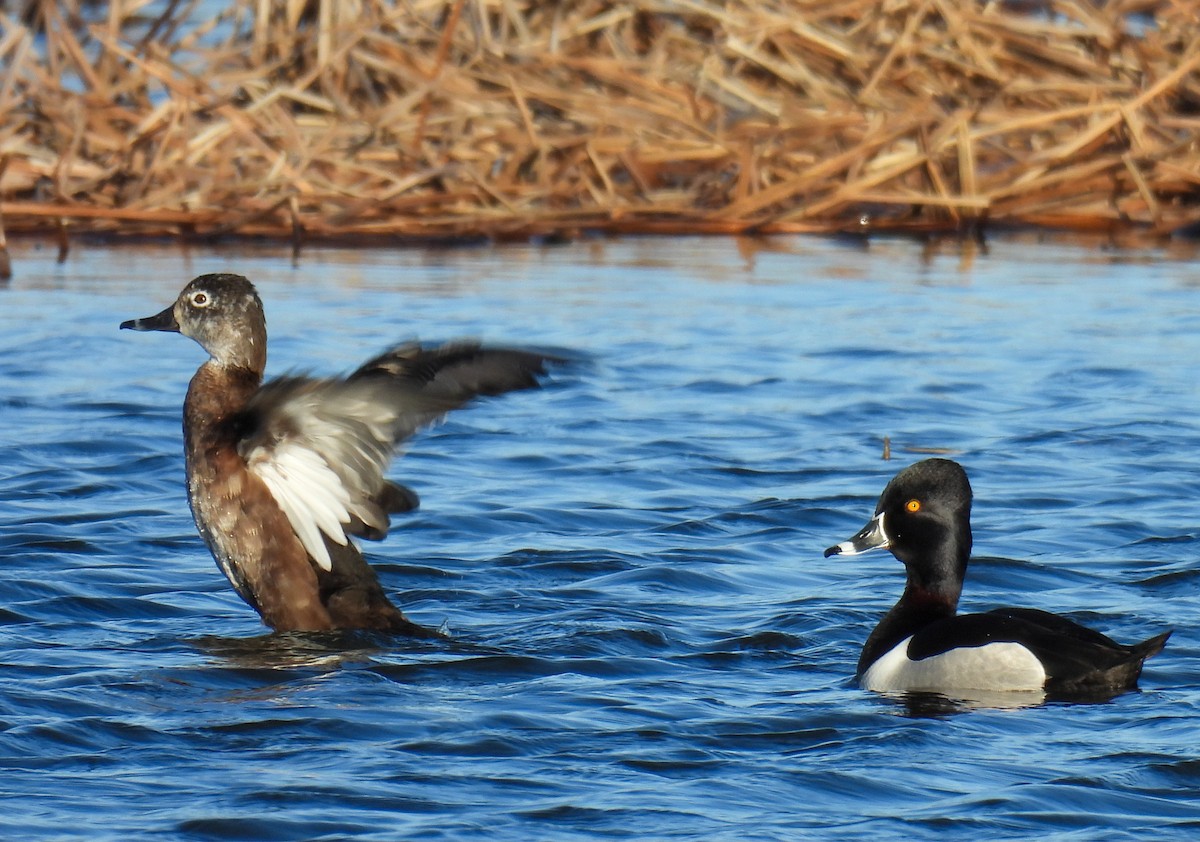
x: 647, y: 642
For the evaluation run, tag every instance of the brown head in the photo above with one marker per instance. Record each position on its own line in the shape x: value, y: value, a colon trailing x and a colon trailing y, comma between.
x: 223, y: 313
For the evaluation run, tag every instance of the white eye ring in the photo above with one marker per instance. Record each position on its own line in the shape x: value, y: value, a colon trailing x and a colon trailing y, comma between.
x: 200, y: 299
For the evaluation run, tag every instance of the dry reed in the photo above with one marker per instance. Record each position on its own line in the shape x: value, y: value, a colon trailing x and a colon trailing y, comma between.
x: 513, y: 118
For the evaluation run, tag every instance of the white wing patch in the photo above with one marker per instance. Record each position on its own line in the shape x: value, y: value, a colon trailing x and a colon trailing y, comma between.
x: 323, y: 446
x: 310, y: 493
x: 993, y: 666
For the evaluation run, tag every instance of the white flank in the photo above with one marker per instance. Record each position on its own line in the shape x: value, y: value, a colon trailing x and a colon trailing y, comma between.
x: 994, y: 666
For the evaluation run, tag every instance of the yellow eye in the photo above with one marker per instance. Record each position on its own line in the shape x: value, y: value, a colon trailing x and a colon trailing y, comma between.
x: 913, y: 505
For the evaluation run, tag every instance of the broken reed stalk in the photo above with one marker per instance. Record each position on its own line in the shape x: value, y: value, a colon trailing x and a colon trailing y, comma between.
x: 441, y: 118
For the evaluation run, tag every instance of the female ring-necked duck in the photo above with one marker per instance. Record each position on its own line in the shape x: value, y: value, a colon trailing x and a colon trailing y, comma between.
x: 282, y: 475
x: 924, y: 518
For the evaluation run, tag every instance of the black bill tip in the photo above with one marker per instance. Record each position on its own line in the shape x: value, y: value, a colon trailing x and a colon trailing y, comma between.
x: 161, y: 321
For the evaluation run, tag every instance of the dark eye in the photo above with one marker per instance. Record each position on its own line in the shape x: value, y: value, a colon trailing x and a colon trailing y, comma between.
x: 199, y: 299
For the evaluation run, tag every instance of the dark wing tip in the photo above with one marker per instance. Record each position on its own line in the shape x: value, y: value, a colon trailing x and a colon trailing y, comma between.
x: 396, y: 499
x: 462, y: 370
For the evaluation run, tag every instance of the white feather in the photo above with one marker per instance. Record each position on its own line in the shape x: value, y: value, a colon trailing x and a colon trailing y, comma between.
x: 318, y: 487
x: 304, y: 527
x: 309, y: 492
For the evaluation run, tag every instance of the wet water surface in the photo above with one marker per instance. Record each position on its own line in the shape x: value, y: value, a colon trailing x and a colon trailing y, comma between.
x: 646, y: 640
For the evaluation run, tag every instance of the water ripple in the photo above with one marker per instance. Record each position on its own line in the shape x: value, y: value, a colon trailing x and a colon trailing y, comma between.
x: 644, y: 638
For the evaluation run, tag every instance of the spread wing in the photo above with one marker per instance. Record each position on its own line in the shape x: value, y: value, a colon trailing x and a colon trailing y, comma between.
x: 322, y: 446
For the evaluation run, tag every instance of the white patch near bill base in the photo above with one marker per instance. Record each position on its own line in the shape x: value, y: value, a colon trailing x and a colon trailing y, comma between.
x: 875, y: 534
x: 993, y: 666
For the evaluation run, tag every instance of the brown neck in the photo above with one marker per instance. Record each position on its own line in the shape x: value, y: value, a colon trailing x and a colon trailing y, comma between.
x: 216, y: 395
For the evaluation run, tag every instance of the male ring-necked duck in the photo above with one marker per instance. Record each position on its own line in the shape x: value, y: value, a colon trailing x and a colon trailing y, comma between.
x: 282, y: 475
x: 924, y: 518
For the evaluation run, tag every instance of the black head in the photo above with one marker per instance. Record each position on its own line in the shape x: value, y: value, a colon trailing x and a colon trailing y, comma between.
x: 223, y: 313
x: 924, y: 518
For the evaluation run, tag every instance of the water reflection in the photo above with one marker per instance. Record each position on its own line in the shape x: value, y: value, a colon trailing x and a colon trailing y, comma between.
x: 924, y: 703
x: 300, y: 650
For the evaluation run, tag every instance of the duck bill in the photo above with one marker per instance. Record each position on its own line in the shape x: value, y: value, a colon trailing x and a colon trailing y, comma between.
x: 162, y: 321
x: 870, y: 537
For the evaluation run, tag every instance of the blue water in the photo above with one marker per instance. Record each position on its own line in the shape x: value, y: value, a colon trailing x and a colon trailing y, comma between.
x: 647, y: 641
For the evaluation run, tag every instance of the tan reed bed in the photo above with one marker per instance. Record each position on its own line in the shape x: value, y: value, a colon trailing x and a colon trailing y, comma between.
x: 514, y: 118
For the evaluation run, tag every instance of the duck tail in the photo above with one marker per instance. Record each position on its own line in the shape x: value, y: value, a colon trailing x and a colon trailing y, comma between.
x: 1150, y: 647
x: 1121, y: 674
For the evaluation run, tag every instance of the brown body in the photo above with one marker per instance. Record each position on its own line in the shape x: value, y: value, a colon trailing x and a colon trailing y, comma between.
x: 321, y: 444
